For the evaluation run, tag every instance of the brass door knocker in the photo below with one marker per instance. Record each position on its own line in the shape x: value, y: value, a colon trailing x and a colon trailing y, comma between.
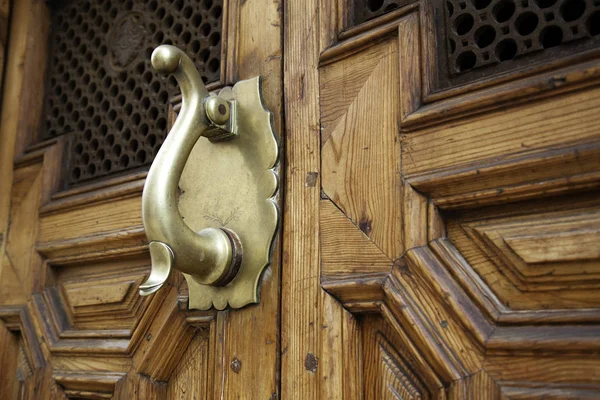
x: 221, y: 152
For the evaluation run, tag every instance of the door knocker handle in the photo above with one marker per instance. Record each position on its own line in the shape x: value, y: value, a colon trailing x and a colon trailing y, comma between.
x: 231, y: 173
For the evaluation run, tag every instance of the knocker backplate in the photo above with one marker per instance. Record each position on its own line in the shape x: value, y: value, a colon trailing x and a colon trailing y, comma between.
x: 232, y: 184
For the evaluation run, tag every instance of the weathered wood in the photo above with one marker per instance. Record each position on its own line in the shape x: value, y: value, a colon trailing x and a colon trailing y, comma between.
x: 21, y: 268
x: 11, y: 133
x: 498, y: 210
x: 360, y: 158
x: 190, y: 377
x: 485, y: 243
x: 4, y: 22
x: 165, y: 342
x: 300, y: 310
x: 9, y: 344
x: 536, y: 126
x: 346, y: 249
x: 435, y: 244
x: 310, y: 321
x: 78, y: 256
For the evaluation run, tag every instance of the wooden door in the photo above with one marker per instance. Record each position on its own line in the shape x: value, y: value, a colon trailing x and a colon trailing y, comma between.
x: 82, y: 116
x: 443, y: 174
x: 440, y: 201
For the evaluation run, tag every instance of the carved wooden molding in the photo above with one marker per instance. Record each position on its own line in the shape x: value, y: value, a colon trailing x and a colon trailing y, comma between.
x: 86, y: 385
x: 554, y: 171
x: 421, y: 105
x: 86, y: 304
x: 84, y: 235
x: 398, y: 380
x: 449, y: 307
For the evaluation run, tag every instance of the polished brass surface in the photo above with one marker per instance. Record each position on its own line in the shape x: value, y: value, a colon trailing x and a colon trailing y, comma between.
x: 228, y: 183
x: 162, y: 261
x: 223, y: 117
x: 207, y: 255
x: 217, y: 110
x: 231, y: 185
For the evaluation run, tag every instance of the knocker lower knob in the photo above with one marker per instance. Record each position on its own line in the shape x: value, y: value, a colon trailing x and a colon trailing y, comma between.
x: 236, y: 259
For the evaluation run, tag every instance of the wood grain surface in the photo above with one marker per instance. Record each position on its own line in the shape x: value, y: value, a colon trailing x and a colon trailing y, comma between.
x: 433, y: 245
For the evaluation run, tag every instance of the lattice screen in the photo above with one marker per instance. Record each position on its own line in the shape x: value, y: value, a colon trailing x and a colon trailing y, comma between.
x: 484, y: 32
x: 477, y: 39
x: 101, y: 88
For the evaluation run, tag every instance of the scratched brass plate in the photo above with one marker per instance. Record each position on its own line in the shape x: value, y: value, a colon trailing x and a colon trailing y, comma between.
x: 232, y: 184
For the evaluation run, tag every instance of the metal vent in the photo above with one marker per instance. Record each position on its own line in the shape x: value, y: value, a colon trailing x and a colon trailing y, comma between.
x: 493, y: 36
x: 365, y: 10
x: 101, y: 88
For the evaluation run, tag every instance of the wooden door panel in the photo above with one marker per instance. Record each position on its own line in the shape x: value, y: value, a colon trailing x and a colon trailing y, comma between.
x: 452, y: 221
x: 360, y: 150
x: 392, y: 370
x: 460, y: 220
x: 72, y: 259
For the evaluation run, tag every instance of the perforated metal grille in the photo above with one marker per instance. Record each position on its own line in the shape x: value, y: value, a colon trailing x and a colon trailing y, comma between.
x: 365, y: 10
x: 509, y: 34
x: 101, y: 88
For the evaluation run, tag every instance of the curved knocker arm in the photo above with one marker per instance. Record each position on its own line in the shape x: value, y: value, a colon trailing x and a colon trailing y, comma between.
x: 211, y: 256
